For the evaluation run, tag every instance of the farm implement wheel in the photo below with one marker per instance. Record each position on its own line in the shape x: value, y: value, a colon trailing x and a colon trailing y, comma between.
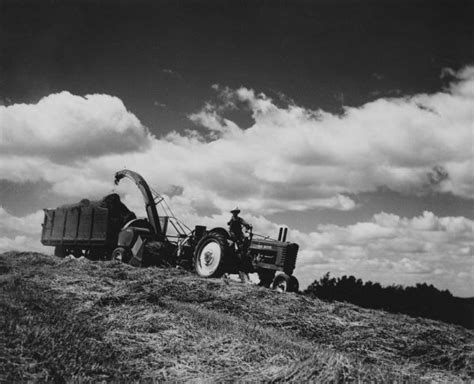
x: 210, y: 255
x: 121, y: 254
x: 60, y: 251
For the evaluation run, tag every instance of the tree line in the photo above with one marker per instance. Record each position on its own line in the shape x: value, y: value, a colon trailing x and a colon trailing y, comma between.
x: 421, y: 300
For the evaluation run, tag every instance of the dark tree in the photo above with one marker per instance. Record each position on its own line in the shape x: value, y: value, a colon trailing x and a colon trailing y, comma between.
x: 423, y: 300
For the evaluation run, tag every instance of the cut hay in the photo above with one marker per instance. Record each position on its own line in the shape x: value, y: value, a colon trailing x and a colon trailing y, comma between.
x: 72, y: 320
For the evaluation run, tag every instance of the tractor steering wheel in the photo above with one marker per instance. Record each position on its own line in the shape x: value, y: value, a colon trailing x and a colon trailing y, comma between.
x: 249, y: 232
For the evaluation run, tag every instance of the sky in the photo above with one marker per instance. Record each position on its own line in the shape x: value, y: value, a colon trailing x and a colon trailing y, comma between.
x: 350, y: 122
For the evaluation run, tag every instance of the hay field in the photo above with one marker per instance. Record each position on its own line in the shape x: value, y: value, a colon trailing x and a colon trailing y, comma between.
x: 66, y: 320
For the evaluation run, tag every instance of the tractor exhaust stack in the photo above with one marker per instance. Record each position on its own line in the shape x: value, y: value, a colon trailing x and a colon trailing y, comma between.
x: 285, y: 231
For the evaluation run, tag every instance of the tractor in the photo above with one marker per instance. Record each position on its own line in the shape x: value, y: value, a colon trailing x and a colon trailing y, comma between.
x: 144, y: 242
x: 215, y: 254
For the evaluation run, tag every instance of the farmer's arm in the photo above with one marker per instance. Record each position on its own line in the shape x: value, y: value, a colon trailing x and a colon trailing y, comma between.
x: 245, y: 224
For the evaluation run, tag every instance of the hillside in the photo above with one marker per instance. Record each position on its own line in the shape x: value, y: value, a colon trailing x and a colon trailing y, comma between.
x: 73, y: 319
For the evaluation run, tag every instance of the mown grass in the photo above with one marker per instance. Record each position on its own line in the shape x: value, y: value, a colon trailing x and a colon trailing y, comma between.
x: 81, y: 321
x: 43, y: 339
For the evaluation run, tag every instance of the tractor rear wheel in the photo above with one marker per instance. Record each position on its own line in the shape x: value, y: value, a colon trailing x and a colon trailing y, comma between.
x: 210, y: 255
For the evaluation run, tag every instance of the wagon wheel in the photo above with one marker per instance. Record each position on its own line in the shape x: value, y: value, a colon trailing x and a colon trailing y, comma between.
x: 60, y: 251
x: 77, y: 253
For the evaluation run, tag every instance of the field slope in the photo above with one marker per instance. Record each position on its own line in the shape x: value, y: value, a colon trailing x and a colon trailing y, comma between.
x: 77, y: 320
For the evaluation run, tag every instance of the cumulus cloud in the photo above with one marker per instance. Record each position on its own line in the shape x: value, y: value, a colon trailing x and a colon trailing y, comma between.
x: 20, y: 243
x: 28, y: 224
x: 216, y: 124
x: 392, y: 250
x: 301, y: 158
x: 290, y: 159
x: 404, y: 143
x: 64, y: 127
x: 20, y: 233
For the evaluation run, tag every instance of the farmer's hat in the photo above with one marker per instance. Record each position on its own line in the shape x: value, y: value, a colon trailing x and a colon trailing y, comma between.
x: 236, y: 209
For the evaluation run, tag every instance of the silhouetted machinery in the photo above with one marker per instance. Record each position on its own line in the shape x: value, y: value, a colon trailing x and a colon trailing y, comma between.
x: 108, y: 230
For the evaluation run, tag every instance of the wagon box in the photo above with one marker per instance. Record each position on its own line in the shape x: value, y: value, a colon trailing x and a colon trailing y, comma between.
x: 89, y: 228
x: 75, y: 225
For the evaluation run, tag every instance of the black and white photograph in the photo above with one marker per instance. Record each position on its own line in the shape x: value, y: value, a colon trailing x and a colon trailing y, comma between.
x: 209, y: 191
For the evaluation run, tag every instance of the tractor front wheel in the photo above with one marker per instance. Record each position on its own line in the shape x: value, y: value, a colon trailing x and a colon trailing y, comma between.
x: 285, y: 283
x: 294, y: 284
x: 210, y: 255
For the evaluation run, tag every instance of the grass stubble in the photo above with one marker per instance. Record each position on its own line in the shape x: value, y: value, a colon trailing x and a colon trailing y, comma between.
x: 74, y: 320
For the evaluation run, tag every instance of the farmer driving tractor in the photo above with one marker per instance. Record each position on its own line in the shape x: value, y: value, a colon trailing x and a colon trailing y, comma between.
x: 235, y: 228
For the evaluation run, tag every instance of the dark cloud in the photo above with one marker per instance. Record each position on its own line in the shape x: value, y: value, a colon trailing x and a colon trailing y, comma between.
x: 437, y: 175
x: 174, y: 190
x: 27, y: 197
